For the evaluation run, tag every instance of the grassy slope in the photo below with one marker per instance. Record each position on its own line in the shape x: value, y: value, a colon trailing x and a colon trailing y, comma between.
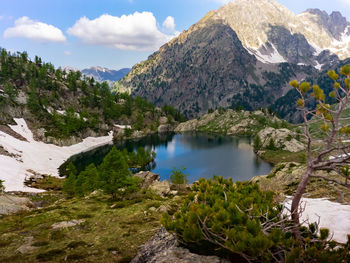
x: 107, y: 235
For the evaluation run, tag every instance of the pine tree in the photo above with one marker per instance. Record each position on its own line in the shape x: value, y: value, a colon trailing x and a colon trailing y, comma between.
x: 115, y: 175
x: 69, y: 185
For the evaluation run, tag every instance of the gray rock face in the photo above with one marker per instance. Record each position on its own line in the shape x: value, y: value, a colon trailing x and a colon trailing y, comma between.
x: 335, y: 22
x: 10, y: 204
x: 163, y: 248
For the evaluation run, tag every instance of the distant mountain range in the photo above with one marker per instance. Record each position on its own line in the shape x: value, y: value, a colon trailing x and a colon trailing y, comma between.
x: 103, y: 74
x: 243, y: 54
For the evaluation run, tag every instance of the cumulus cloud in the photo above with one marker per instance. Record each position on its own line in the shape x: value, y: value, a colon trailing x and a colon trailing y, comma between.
x: 67, y: 53
x: 136, y: 31
x: 169, y: 24
x: 34, y: 30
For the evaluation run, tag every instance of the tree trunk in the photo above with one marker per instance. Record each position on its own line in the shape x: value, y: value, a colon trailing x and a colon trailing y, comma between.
x: 296, y: 202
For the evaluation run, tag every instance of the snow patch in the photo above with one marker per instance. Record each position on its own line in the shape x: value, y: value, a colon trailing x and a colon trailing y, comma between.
x: 273, y: 57
x: 334, y: 216
x: 318, y: 65
x: 38, y: 156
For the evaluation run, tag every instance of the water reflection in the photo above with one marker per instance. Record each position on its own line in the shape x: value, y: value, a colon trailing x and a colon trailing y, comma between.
x: 202, y: 154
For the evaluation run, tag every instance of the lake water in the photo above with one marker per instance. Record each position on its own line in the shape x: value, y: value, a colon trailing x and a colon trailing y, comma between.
x: 203, y: 155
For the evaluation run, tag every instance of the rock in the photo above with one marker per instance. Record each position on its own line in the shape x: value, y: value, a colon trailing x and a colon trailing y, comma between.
x: 147, y: 178
x: 10, y: 204
x: 65, y: 224
x: 161, y: 188
x: 241, y: 127
x: 163, y: 120
x: 27, y: 246
x: 283, y: 139
x: 165, y: 128
x: 162, y: 209
x: 163, y: 248
x: 118, y: 133
x: 187, y: 126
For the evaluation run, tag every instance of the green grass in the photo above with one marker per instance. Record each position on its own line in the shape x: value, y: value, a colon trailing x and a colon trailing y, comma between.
x: 107, y: 228
x: 276, y: 157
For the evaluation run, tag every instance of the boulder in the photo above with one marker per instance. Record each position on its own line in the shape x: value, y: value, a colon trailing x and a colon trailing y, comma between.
x: 163, y: 248
x: 165, y: 128
x: 161, y: 188
x: 27, y: 246
x: 10, y: 204
x: 147, y: 178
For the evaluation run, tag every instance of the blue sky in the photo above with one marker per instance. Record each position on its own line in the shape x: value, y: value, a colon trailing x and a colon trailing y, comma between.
x: 77, y: 33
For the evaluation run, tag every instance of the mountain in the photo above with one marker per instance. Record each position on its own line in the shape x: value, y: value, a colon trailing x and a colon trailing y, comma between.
x: 104, y: 74
x: 62, y: 108
x: 243, y: 54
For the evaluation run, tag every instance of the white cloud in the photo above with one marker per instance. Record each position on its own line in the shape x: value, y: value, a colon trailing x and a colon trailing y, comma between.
x: 169, y: 24
x: 137, y: 31
x: 34, y: 30
x: 67, y: 53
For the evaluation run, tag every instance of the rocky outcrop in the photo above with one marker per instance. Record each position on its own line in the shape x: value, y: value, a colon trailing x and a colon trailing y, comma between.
x: 161, y: 188
x: 283, y: 139
x: 147, y: 178
x: 10, y: 204
x: 165, y: 128
x: 163, y: 247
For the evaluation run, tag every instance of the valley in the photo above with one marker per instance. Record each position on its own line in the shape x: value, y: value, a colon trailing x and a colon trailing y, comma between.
x: 229, y: 143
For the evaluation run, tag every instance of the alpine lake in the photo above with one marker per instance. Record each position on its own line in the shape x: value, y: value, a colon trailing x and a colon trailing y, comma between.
x: 203, y: 155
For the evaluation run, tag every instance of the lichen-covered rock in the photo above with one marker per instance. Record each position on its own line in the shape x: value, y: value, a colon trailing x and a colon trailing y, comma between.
x: 283, y: 139
x: 147, y: 178
x: 163, y: 248
x: 161, y: 188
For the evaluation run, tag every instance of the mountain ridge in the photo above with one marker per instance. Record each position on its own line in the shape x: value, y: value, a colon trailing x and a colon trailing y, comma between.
x: 217, y: 64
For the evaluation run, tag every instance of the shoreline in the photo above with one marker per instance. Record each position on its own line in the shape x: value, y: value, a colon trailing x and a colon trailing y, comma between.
x: 37, y: 156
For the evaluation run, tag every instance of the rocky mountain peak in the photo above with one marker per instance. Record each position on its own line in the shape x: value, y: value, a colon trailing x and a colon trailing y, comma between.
x: 335, y: 23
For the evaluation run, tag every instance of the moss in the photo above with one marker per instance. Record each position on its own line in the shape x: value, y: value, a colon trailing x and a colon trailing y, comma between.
x: 124, y: 229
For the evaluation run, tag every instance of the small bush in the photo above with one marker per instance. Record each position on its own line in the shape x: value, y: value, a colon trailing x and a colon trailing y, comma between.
x: 178, y: 177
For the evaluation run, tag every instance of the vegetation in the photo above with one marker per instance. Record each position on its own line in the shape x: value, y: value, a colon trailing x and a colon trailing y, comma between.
x: 113, y: 231
x: 332, y: 154
x: 112, y: 176
x: 67, y: 103
x: 178, y: 177
x: 2, y: 188
x: 241, y: 219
